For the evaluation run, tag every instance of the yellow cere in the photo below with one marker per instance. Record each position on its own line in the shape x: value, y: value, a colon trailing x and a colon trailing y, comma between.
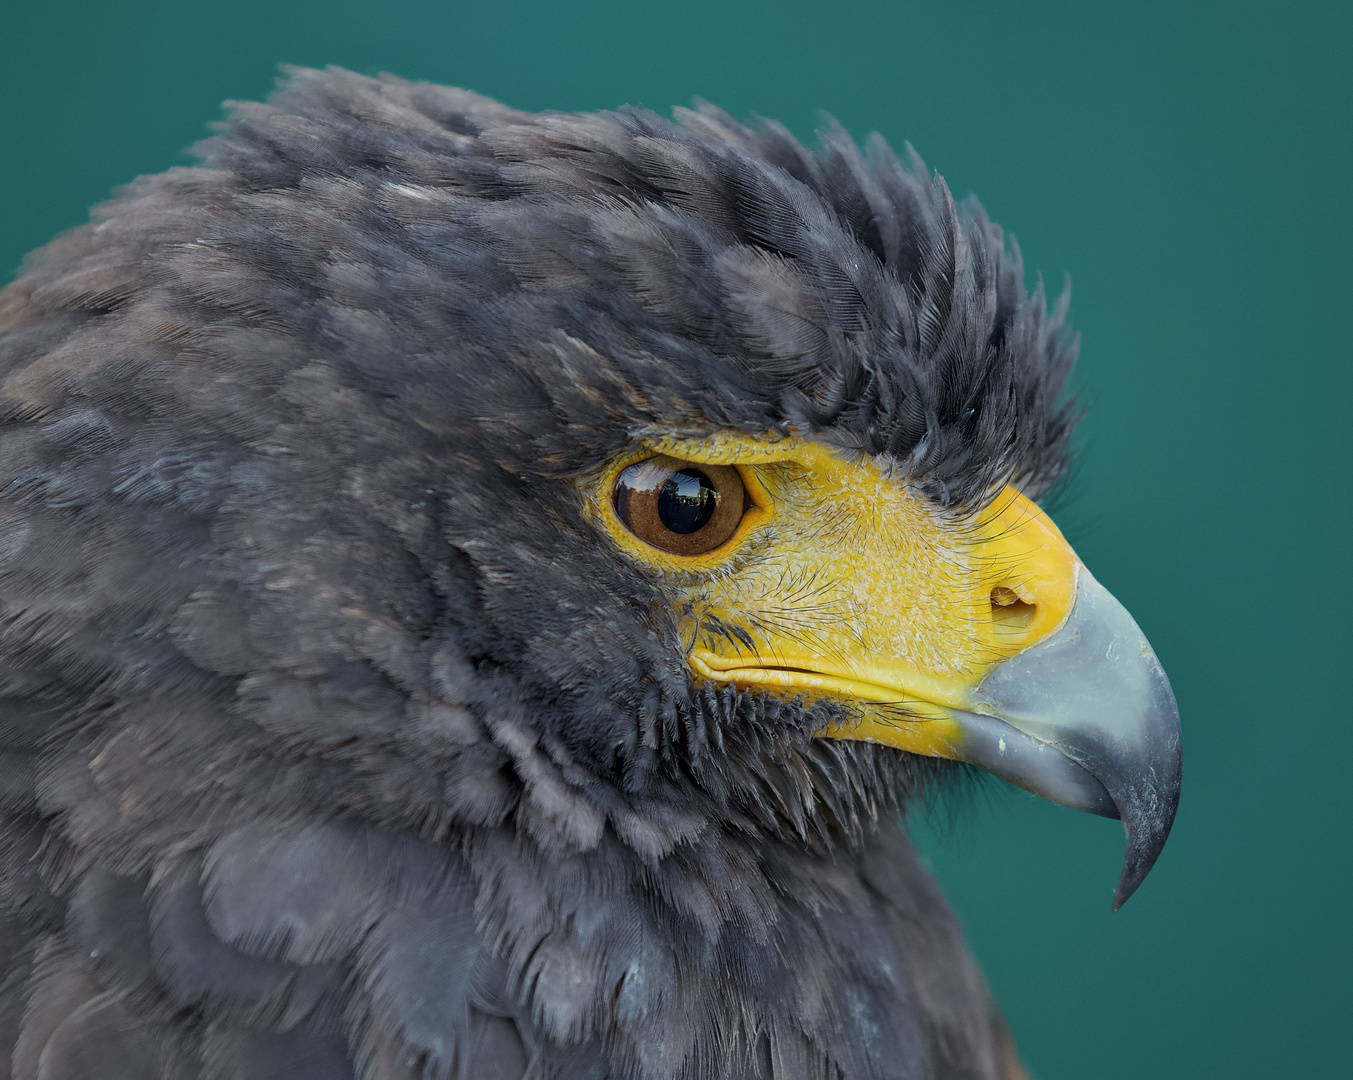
x: 843, y: 581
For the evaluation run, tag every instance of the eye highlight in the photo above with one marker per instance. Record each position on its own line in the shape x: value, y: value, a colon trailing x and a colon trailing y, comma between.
x: 684, y: 507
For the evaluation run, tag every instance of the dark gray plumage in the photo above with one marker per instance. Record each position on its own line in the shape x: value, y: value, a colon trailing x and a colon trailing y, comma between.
x: 336, y: 743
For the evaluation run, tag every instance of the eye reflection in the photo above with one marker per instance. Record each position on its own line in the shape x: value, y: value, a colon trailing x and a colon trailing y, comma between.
x: 686, y: 501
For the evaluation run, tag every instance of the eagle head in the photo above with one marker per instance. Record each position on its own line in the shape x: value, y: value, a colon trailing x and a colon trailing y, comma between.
x: 478, y: 589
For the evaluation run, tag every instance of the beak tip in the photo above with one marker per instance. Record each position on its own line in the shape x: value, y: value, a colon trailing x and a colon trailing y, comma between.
x: 1147, y: 828
x: 1128, y: 882
x: 1134, y: 873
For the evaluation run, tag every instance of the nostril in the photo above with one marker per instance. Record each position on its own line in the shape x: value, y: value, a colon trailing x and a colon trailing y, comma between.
x: 1009, y: 613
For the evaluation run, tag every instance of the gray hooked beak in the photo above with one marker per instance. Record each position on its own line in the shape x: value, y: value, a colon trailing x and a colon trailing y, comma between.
x: 1087, y: 718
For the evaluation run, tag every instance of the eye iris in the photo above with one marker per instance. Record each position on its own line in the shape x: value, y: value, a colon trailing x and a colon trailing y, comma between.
x: 687, y: 501
x: 680, y: 507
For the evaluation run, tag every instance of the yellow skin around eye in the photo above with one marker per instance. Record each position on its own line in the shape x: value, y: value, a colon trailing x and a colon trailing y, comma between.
x: 847, y: 583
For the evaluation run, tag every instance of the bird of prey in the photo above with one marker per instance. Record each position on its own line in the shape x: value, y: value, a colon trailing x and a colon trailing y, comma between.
x: 479, y: 592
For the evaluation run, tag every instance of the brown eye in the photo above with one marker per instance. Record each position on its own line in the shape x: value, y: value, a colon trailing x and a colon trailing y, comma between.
x: 680, y: 506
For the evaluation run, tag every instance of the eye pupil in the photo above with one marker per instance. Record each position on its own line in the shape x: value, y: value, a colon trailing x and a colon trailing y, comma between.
x: 687, y: 501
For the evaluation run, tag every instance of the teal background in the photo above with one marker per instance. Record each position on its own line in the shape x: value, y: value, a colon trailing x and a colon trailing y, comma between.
x: 1188, y: 163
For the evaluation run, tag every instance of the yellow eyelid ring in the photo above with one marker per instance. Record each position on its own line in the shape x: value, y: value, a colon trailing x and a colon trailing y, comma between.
x: 603, y: 506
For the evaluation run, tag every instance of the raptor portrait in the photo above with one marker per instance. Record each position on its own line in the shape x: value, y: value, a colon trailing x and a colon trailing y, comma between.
x: 480, y: 592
